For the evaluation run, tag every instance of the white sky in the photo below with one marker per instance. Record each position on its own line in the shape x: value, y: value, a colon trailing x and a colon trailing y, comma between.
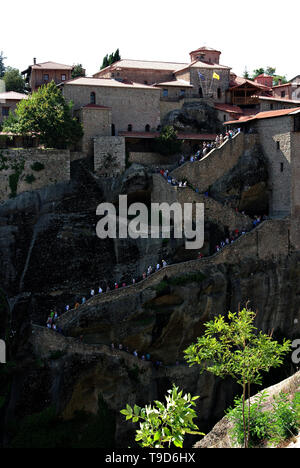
x: 255, y: 33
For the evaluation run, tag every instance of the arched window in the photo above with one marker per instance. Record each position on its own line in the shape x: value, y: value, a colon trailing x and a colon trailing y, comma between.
x: 129, y: 128
x: 147, y: 128
x: 92, y: 98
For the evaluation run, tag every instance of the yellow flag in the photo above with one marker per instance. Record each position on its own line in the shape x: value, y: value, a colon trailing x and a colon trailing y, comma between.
x: 216, y: 76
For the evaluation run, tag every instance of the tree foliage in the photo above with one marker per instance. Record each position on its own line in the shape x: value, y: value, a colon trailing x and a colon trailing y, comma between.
x: 162, y: 425
x: 78, y: 70
x: 14, y: 81
x: 167, y: 142
x: 232, y: 347
x: 271, y: 71
x: 110, y: 59
x: 2, y: 66
x: 46, y: 114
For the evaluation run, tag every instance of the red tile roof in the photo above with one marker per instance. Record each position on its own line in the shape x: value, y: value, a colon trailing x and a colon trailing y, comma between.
x: 239, y: 81
x: 281, y: 85
x: 228, y: 108
x: 265, y: 115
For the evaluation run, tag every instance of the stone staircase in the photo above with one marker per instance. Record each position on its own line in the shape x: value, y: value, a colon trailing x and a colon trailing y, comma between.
x: 268, y: 240
x: 215, y: 211
x: 202, y: 174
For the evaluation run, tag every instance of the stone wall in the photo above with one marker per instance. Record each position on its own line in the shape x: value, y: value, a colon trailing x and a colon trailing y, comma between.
x: 215, y: 212
x: 29, y: 169
x: 202, y: 174
x: 152, y: 159
x: 137, y: 75
x: 109, y: 155
x: 130, y: 105
x: 267, y: 105
x: 275, y: 138
x: 295, y: 193
x: 209, y: 85
x: 96, y: 121
x: 270, y: 240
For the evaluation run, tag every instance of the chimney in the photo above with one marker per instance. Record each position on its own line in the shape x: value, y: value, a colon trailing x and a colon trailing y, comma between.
x: 34, y: 61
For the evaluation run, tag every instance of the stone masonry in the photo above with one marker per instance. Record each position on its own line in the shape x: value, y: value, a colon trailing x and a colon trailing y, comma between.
x: 29, y: 169
x: 109, y: 155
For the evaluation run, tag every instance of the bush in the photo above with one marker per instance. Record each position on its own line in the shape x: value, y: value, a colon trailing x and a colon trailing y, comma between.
x: 167, y: 143
x: 260, y: 421
x: 285, y: 417
x: 30, y: 178
x: 37, y: 166
x: 273, y: 426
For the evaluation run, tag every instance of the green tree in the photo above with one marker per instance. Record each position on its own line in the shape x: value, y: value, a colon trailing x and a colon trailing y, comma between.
x: 2, y: 66
x: 278, y: 78
x: 257, y: 72
x: 117, y: 55
x: 233, y: 348
x: 78, y: 70
x: 246, y: 74
x: 46, y: 114
x: 164, y: 424
x: 105, y: 62
x: 14, y: 80
x: 167, y: 142
x: 110, y: 59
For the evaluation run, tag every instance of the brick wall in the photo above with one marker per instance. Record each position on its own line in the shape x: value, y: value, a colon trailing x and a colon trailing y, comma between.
x: 16, y: 170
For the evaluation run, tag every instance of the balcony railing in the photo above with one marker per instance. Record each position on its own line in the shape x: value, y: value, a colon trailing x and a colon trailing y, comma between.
x: 244, y: 101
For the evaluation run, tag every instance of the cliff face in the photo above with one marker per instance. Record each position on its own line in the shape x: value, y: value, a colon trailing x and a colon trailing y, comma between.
x: 50, y: 256
x: 161, y: 320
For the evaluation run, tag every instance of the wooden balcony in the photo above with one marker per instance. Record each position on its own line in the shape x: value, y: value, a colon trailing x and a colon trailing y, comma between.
x: 244, y: 100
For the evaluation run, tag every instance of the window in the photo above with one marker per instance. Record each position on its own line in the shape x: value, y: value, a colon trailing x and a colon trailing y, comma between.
x: 182, y: 92
x: 5, y: 111
x: 46, y: 77
x: 129, y: 128
x: 200, y: 92
x: 219, y: 93
x: 271, y: 107
x: 281, y: 167
x: 92, y: 98
x: 63, y: 77
x: 282, y: 94
x: 165, y: 93
x: 278, y: 145
x: 146, y: 82
x: 113, y: 130
x: 147, y: 128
